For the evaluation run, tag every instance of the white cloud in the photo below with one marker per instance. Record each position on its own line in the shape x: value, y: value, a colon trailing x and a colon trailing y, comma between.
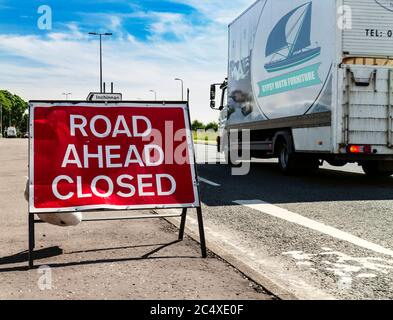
x: 171, y: 23
x: 220, y: 11
x: 68, y: 61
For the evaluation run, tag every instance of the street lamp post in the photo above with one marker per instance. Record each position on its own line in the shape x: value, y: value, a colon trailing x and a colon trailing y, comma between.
x: 100, y: 35
x: 182, y: 88
x: 67, y: 94
x: 155, y: 94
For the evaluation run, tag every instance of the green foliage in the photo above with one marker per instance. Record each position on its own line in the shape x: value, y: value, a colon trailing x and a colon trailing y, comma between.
x: 14, y: 111
x: 212, y: 126
x: 206, y: 133
x: 197, y: 125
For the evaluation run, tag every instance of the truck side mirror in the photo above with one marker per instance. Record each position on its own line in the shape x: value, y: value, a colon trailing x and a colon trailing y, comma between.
x: 213, y: 92
x: 213, y: 96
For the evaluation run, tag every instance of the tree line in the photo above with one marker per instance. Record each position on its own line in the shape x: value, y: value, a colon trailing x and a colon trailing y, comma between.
x: 198, y: 125
x: 13, y: 112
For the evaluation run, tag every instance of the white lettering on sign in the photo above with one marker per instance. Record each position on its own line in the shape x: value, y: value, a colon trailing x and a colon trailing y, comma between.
x: 97, y: 192
x: 56, y: 191
x: 122, y: 184
x: 133, y: 128
x: 110, y: 157
x: 160, y: 178
x: 80, y: 126
x: 133, y: 151
x: 71, y: 157
x: 98, y: 155
x: 79, y: 188
x: 121, y: 123
x: 93, y: 125
x: 145, y: 185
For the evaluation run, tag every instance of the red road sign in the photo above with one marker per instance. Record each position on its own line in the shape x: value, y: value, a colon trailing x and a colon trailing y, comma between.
x: 119, y: 156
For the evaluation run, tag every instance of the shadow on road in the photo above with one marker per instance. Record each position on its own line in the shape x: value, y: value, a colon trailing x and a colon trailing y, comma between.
x: 266, y: 182
x: 56, y: 251
x: 24, y: 256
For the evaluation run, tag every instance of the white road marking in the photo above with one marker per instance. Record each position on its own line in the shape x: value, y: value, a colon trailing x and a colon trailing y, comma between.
x: 311, y: 224
x: 346, y: 268
x: 366, y: 276
x: 209, y: 182
x: 231, y: 244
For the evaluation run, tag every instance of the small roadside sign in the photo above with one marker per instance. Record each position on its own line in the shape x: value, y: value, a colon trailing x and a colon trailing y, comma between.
x: 96, y: 97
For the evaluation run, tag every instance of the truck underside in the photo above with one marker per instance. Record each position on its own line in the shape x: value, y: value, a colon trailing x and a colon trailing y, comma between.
x: 278, y: 143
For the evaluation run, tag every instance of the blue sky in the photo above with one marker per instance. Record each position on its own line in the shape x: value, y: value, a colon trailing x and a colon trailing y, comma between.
x: 154, y: 42
x: 20, y: 17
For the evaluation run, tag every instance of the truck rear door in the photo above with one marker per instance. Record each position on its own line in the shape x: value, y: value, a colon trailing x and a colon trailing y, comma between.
x: 367, y: 107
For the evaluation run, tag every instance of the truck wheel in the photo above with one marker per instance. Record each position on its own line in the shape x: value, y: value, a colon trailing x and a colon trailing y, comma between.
x: 377, y: 169
x: 286, y: 158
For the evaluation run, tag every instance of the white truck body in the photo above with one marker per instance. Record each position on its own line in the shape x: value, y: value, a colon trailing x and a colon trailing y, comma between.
x: 321, y: 69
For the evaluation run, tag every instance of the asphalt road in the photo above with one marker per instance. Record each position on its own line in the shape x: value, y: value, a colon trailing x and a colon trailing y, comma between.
x: 322, y: 235
x: 330, y: 232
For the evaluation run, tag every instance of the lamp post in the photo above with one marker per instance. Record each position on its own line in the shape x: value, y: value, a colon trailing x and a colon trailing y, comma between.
x: 182, y: 88
x: 67, y: 94
x: 100, y: 35
x: 155, y: 94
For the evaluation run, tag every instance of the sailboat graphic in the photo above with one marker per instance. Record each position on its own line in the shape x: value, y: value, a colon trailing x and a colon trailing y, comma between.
x: 299, y: 50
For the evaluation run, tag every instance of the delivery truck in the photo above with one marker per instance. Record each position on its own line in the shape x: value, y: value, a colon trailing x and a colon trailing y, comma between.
x: 312, y: 81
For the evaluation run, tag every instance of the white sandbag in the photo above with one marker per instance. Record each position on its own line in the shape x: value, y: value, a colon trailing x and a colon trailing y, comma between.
x: 63, y: 219
x: 57, y: 219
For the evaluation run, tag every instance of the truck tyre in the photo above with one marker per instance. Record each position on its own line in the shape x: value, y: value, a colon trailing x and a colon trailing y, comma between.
x: 286, y: 158
x: 291, y: 163
x: 377, y: 169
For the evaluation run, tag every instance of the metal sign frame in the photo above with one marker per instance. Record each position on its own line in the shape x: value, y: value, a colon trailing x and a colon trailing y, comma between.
x: 86, y: 209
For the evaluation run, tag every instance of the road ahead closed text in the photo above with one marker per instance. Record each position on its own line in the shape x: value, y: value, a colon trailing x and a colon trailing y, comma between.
x: 88, y: 157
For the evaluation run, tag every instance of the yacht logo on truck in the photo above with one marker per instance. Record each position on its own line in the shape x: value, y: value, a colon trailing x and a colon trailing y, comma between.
x: 387, y: 4
x: 292, y: 47
x: 289, y: 45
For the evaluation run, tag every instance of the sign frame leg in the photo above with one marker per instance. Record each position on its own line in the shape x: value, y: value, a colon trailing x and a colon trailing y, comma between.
x: 31, y: 240
x: 183, y: 224
x: 202, y: 237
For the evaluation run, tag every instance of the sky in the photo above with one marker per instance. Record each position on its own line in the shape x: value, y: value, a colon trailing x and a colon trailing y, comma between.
x: 153, y: 43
